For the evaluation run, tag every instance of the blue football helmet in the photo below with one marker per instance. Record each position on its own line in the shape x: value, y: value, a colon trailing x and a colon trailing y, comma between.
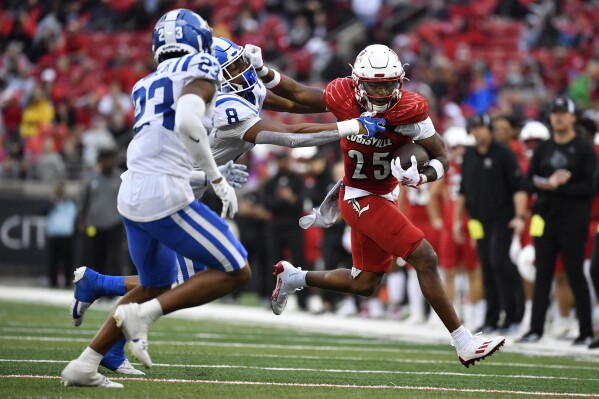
x: 239, y: 74
x: 181, y: 30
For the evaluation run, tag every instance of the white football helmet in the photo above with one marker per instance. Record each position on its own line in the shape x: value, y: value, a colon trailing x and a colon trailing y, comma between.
x: 526, y: 263
x: 534, y: 130
x: 379, y: 76
x: 455, y: 136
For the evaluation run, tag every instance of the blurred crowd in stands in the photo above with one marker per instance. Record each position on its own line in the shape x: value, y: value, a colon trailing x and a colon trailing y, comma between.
x: 67, y: 68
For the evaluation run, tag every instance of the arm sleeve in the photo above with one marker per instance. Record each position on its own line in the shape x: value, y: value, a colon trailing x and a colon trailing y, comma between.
x: 513, y: 173
x: 418, y: 131
x: 189, y: 125
x: 294, y: 140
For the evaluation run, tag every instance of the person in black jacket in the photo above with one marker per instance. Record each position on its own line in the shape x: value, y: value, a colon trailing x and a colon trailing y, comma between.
x: 493, y: 193
x: 284, y: 196
x: 561, y: 174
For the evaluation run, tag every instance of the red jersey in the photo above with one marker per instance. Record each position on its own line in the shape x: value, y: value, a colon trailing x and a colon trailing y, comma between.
x: 366, y: 159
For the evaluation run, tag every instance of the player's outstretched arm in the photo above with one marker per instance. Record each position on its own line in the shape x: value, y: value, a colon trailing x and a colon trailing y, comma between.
x: 284, y: 86
x: 310, y: 134
x: 272, y: 102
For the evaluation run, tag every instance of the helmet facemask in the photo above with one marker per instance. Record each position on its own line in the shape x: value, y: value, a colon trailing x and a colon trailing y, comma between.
x: 239, y: 74
x: 379, y: 95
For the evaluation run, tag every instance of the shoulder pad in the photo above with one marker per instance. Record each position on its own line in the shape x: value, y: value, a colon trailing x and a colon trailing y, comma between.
x: 411, y: 108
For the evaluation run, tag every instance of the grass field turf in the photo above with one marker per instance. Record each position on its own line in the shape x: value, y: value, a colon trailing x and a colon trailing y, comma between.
x: 194, y: 359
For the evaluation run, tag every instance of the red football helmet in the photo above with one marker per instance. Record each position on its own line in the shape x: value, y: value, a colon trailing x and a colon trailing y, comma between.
x: 379, y: 76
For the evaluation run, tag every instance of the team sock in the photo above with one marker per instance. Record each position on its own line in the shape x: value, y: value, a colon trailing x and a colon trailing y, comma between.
x: 112, y: 285
x: 115, y: 356
x: 151, y: 309
x: 298, y: 280
x: 461, y: 337
x: 90, y: 359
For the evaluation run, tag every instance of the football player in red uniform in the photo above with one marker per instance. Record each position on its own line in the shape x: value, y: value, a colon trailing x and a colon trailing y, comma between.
x: 454, y: 256
x: 368, y: 193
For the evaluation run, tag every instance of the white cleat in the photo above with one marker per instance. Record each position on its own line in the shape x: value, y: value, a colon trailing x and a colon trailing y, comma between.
x: 127, y: 368
x: 74, y: 375
x: 278, y: 299
x: 135, y: 328
x: 478, y: 348
x: 78, y: 308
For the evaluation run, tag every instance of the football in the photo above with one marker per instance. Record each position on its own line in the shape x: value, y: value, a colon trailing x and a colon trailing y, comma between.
x: 405, y: 153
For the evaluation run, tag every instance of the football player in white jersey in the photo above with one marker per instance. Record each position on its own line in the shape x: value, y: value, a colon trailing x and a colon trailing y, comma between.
x: 237, y: 127
x: 173, y: 114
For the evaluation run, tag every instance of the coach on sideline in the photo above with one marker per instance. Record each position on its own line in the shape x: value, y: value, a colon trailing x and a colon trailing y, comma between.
x: 561, y: 172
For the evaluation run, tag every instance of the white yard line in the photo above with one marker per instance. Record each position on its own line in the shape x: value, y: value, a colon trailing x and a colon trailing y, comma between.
x: 340, y: 386
x: 388, y: 329
x: 338, y: 371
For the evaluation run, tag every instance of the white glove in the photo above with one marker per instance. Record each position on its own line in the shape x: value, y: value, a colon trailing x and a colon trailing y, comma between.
x: 227, y: 195
x: 409, y: 177
x: 254, y: 55
x: 234, y: 173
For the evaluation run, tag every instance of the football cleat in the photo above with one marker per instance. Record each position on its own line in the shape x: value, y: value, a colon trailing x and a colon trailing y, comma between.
x: 74, y: 374
x: 135, y: 328
x: 478, y: 348
x: 86, y: 292
x: 127, y: 368
x: 278, y: 299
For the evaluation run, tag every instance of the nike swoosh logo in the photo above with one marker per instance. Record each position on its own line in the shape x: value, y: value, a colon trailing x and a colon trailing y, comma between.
x: 196, y: 140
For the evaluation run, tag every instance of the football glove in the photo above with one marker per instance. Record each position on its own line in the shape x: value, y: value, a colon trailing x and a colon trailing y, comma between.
x: 254, y: 55
x: 372, y: 125
x: 234, y: 173
x: 409, y: 177
x: 227, y: 195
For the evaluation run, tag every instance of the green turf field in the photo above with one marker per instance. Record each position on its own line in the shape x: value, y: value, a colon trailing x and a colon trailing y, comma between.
x: 218, y: 360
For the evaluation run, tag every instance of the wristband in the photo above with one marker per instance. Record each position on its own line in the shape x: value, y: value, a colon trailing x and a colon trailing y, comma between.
x: 275, y: 81
x: 348, y: 128
x: 438, y: 166
x: 262, y: 72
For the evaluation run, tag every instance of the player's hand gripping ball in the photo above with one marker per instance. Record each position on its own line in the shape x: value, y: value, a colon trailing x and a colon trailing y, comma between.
x: 408, y: 162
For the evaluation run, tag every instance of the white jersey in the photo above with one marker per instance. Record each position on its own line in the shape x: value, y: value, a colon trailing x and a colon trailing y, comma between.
x: 156, y: 183
x: 233, y: 116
